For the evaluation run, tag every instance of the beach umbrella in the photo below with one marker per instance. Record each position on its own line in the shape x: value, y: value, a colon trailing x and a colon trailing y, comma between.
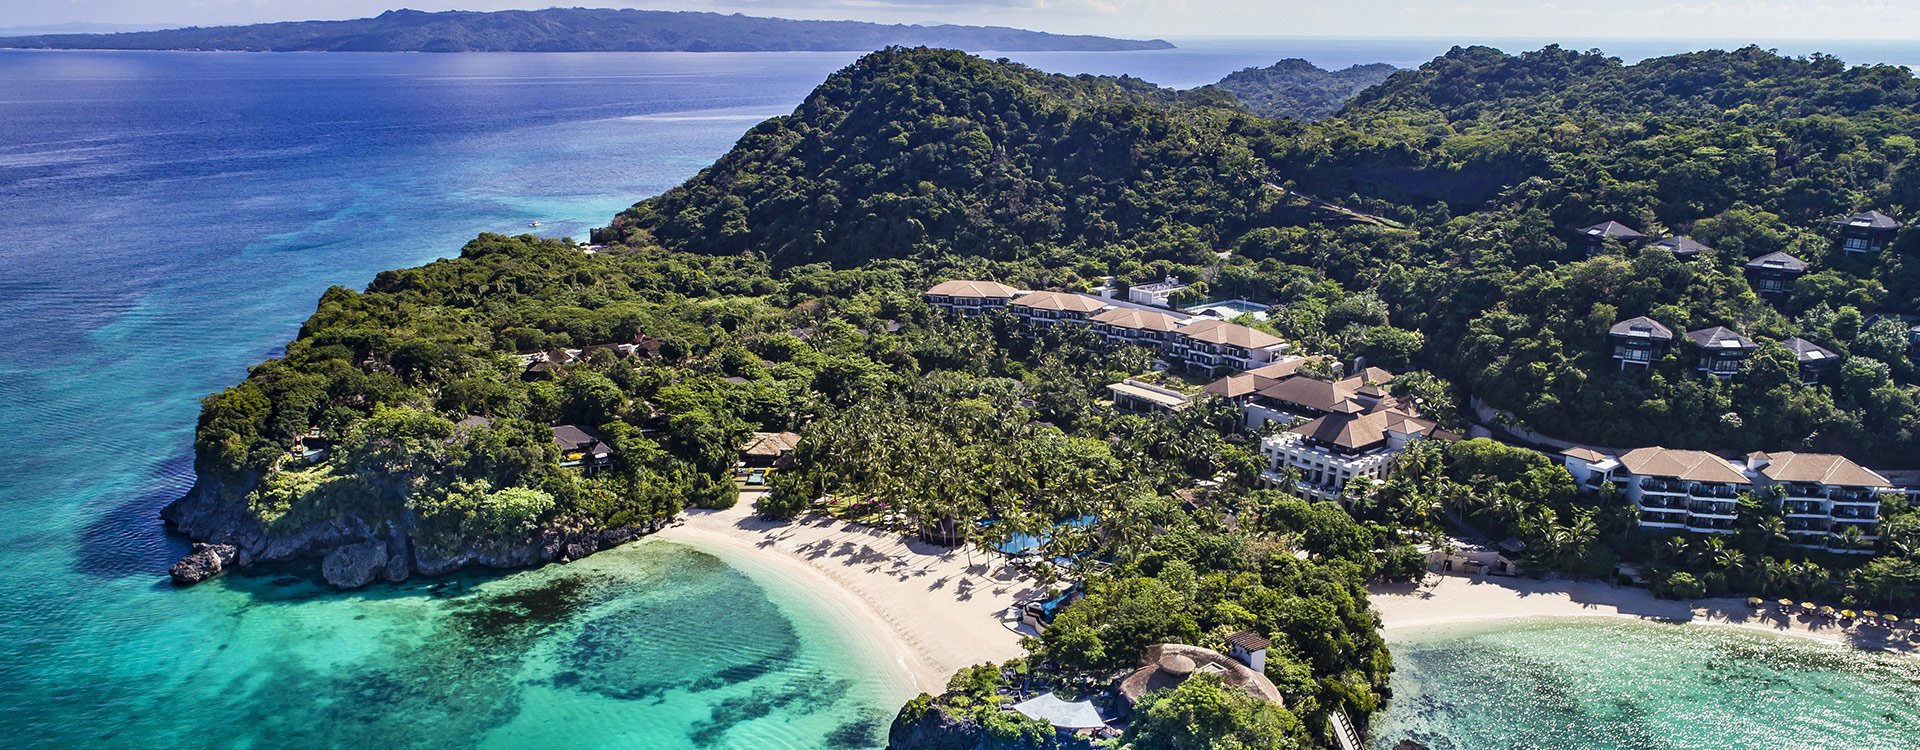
x: 1847, y: 613
x: 1826, y: 610
x: 1869, y: 614
x: 1755, y: 602
x: 1891, y: 617
x: 1785, y: 603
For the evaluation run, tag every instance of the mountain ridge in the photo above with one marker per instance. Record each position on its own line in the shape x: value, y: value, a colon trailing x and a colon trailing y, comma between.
x: 577, y: 30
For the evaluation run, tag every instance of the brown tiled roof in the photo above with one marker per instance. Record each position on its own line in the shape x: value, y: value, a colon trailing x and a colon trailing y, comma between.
x: 968, y: 288
x: 1371, y: 375
x: 1641, y: 327
x: 1360, y: 431
x: 1238, y: 384
x: 1693, y: 466
x: 1137, y: 319
x: 1284, y: 367
x: 1060, y: 301
x: 1231, y: 334
x: 1820, y: 468
x: 1588, y: 455
x: 1312, y: 393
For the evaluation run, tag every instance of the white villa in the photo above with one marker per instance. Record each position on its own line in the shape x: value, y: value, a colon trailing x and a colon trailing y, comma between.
x: 1156, y: 293
x: 1822, y: 495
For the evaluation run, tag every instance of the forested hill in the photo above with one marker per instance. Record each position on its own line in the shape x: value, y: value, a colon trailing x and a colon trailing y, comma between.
x: 575, y: 30
x: 914, y: 150
x: 1300, y: 90
x: 1491, y: 160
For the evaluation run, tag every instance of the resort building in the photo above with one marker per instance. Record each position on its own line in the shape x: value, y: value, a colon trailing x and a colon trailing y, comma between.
x: 1156, y: 293
x: 1722, y: 352
x: 1816, y: 362
x: 1598, y: 236
x: 1682, y: 247
x: 1774, y: 273
x: 970, y: 297
x: 1051, y: 308
x: 1682, y: 489
x: 1868, y: 232
x: 1590, y: 468
x: 1828, y: 501
x: 1146, y: 398
x: 1214, y: 346
x: 1357, y: 432
x: 1201, y: 342
x: 1131, y: 326
x: 582, y: 449
x: 1637, y: 342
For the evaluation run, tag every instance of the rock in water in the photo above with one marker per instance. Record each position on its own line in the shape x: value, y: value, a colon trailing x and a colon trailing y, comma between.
x: 202, y: 561
x: 354, y: 565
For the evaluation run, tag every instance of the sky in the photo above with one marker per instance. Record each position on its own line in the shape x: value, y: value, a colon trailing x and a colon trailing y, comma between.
x: 1759, y: 20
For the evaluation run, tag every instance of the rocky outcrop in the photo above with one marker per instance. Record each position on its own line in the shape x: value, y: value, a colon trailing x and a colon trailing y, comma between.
x: 202, y: 561
x: 351, y: 566
x: 353, y: 553
x: 933, y: 729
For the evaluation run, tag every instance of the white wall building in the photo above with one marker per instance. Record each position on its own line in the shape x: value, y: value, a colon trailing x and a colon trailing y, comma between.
x: 1821, y: 496
x: 1156, y: 293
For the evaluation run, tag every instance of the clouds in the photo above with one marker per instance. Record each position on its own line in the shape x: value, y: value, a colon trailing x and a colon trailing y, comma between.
x: 1464, y: 20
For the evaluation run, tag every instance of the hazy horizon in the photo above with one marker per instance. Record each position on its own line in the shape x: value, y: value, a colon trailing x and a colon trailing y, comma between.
x: 1730, y: 21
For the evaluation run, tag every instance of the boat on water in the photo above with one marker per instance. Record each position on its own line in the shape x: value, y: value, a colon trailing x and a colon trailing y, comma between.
x: 534, y: 223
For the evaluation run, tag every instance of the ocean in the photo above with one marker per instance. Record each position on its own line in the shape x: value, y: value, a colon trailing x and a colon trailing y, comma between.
x: 171, y: 218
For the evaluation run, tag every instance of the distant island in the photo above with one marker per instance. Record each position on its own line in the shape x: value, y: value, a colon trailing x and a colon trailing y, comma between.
x: 577, y: 30
x: 1299, y: 90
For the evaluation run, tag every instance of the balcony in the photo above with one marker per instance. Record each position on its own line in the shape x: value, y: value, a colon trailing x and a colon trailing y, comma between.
x: 1710, y: 525
x: 1662, y: 485
x: 1850, y: 513
x: 1802, y: 489
x: 1660, y: 502
x: 1853, y: 496
x: 1663, y: 520
x: 1720, y: 491
x: 1804, y: 508
x: 1715, y: 510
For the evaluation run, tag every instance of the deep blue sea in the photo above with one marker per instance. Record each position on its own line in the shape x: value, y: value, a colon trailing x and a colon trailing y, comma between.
x: 167, y: 219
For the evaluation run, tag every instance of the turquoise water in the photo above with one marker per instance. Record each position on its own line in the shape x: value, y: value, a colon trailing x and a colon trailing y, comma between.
x: 170, y: 218
x: 1632, y: 685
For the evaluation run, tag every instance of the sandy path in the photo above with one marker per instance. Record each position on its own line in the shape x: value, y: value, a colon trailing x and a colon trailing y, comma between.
x: 939, y: 609
x: 1444, y: 599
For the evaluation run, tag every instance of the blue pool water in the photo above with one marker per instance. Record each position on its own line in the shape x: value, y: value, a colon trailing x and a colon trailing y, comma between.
x: 170, y: 218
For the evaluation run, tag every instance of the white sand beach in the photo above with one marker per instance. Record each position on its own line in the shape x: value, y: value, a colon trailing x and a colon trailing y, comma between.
x: 939, y: 609
x: 1452, y: 599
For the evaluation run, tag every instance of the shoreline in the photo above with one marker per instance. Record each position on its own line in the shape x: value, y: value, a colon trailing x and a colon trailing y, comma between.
x: 1458, y: 599
x: 934, y: 609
